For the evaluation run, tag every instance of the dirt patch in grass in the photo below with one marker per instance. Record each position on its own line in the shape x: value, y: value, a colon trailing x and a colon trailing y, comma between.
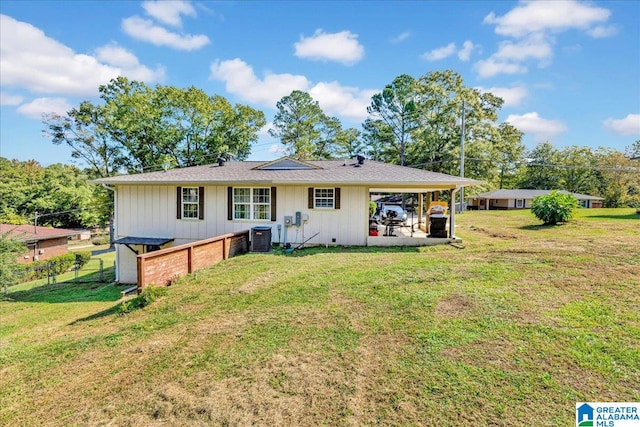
x: 501, y: 234
x: 288, y: 389
x: 454, y: 306
x: 495, y: 353
x: 256, y: 283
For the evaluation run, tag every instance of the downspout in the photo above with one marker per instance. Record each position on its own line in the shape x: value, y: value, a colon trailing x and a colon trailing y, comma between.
x: 115, y: 225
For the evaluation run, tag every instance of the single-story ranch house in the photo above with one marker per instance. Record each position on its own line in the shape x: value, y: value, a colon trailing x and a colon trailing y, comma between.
x: 521, y: 199
x: 42, y: 242
x: 319, y: 202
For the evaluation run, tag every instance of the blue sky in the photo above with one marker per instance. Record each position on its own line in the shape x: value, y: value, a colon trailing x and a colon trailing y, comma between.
x: 569, y: 71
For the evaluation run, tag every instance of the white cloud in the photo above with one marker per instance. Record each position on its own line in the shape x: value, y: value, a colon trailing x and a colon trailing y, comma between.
x: 533, y: 47
x: 547, y: 16
x: 532, y: 123
x: 512, y: 96
x: 116, y: 56
x: 146, y: 30
x: 39, y: 106
x: 468, y: 47
x: 9, y: 99
x: 400, y: 37
x: 334, y: 99
x: 30, y: 60
x: 264, y: 130
x: 602, y: 31
x: 349, y: 102
x: 490, y: 67
x: 240, y: 80
x: 278, y: 149
x: 511, y: 55
x: 440, y: 53
x: 339, y: 47
x: 532, y: 24
x: 169, y: 12
x: 630, y: 125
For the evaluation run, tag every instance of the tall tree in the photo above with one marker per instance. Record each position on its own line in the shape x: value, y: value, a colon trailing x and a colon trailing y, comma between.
x: 633, y: 151
x: 496, y: 158
x: 60, y: 194
x: 142, y: 128
x: 393, y: 119
x: 84, y: 129
x: 350, y: 144
x: 578, y: 170
x: 10, y: 249
x: 441, y: 95
x: 544, y: 168
x: 304, y: 129
x: 618, y: 178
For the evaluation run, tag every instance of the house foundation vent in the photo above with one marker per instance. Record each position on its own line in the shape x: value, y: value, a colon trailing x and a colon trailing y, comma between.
x: 261, y: 239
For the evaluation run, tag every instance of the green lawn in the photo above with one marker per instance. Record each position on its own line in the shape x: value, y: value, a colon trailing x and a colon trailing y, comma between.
x: 513, y: 329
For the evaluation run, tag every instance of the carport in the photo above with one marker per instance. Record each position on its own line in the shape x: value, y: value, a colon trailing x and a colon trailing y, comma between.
x: 420, y: 224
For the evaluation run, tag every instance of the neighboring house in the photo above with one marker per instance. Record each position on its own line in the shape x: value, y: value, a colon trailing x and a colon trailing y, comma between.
x: 324, y: 202
x: 42, y: 242
x: 521, y: 199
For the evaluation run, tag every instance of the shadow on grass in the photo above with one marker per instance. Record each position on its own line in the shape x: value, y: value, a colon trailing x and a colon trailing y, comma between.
x: 68, y: 292
x: 316, y: 250
x: 540, y: 227
x: 104, y: 313
x: 629, y: 216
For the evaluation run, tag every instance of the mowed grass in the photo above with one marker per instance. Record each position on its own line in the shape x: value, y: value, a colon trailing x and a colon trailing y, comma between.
x: 513, y: 329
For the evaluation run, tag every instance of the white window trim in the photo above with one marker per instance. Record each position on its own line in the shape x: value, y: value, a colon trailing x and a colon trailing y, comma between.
x: 252, y: 204
x: 197, y: 203
x: 316, y: 198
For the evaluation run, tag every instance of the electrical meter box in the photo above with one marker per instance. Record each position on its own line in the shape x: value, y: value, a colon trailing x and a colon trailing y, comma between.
x: 298, y: 218
x: 288, y: 221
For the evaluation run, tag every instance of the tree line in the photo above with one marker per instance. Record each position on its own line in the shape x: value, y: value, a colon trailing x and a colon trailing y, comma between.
x: 415, y: 122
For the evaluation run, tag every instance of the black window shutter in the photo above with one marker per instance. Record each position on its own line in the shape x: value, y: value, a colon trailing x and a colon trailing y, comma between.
x: 336, y: 195
x: 179, y: 203
x: 230, y: 203
x: 310, y: 197
x: 201, y: 203
x: 273, y: 203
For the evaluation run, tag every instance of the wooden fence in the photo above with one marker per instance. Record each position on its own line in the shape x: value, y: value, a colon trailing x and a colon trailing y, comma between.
x: 161, y: 267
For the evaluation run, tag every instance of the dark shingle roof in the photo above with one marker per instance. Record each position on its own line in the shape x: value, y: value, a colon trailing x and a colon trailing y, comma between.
x: 339, y: 172
x: 30, y: 233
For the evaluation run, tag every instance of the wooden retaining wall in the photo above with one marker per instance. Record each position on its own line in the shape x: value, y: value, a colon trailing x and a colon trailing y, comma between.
x: 161, y: 267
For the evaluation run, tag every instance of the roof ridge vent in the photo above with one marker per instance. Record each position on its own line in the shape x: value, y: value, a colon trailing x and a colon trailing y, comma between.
x: 221, y: 161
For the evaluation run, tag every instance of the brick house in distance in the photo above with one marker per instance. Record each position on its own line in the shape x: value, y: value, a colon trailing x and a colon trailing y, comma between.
x: 42, y: 242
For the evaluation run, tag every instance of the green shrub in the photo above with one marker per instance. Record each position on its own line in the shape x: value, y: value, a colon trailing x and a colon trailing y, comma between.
x: 82, y: 257
x: 554, y: 207
x: 63, y: 263
x: 101, y: 240
x: 148, y: 295
x: 372, y: 208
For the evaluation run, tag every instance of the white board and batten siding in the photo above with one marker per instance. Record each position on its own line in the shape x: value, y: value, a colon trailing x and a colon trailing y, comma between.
x: 150, y: 211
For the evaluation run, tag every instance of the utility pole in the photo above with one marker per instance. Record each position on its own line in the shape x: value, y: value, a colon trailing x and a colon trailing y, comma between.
x: 35, y: 223
x: 462, y: 158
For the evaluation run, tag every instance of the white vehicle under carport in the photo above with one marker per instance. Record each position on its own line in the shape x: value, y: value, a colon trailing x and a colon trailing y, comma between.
x: 393, y: 214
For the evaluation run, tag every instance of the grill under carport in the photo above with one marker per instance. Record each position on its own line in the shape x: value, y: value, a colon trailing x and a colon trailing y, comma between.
x: 438, y: 225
